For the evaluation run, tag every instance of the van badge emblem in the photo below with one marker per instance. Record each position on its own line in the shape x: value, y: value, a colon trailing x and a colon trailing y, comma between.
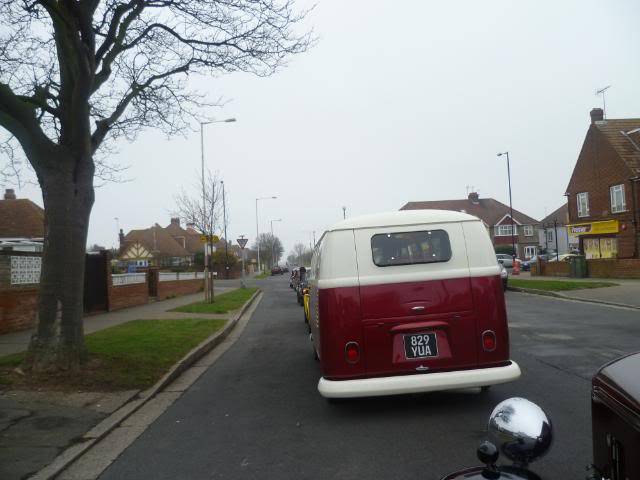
x: 422, y: 368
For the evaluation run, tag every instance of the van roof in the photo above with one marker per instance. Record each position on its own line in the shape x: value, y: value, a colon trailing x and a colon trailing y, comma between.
x: 403, y: 217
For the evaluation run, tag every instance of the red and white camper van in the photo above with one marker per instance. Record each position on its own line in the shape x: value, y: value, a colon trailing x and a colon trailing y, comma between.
x: 405, y: 302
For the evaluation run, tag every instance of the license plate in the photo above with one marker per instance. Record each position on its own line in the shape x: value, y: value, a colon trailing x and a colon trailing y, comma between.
x: 420, y: 345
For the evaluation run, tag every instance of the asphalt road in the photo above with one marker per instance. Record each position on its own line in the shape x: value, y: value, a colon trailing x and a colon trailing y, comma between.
x: 256, y: 414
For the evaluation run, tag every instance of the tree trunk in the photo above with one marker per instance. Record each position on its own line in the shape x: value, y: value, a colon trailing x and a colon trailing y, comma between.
x: 68, y: 195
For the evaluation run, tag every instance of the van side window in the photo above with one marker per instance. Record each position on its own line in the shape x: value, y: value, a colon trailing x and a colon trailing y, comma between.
x: 408, y: 248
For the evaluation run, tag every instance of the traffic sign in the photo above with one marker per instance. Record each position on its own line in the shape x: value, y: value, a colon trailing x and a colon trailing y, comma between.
x: 242, y: 242
x: 209, y: 239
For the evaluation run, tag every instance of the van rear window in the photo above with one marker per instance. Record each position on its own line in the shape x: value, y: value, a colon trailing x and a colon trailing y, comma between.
x: 409, y: 248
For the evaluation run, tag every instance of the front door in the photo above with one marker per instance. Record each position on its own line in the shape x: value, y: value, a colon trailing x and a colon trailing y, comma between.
x: 529, y: 252
x: 96, y: 269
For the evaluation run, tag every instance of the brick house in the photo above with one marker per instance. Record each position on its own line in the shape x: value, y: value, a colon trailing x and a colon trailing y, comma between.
x: 497, y: 219
x: 604, y: 190
x: 188, y: 237
x: 21, y: 223
x: 152, y: 247
x: 554, y: 234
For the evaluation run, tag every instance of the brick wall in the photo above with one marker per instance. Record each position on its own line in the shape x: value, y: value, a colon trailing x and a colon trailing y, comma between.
x: 18, y: 303
x: 614, y: 268
x: 18, y: 309
x: 555, y: 269
x: 174, y: 288
x: 124, y: 296
x: 598, y: 168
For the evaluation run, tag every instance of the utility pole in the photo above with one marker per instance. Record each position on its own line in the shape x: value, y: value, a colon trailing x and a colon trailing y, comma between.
x: 273, y: 242
x: 257, y: 226
x: 226, y: 240
x: 513, y: 238
x: 555, y: 227
x: 207, y: 296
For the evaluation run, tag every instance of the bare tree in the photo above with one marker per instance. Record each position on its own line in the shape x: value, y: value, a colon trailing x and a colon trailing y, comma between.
x: 271, y: 249
x: 298, y: 252
x: 75, y: 74
x: 301, y: 254
x: 205, y: 213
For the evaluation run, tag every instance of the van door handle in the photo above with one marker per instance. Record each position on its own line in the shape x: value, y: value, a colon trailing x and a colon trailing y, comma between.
x: 417, y: 309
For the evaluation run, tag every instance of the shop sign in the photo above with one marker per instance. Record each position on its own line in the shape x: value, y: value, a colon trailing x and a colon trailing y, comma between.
x: 594, y: 228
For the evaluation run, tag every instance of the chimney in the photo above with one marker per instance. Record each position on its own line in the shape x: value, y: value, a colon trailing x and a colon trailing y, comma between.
x: 9, y: 194
x: 474, y: 197
x: 175, y: 221
x: 597, y: 115
x: 121, y: 237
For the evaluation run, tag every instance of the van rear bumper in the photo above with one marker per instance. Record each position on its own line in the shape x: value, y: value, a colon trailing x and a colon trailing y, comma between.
x: 427, y: 382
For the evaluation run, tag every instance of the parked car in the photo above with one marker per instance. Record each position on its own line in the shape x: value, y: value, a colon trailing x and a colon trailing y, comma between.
x: 505, y: 259
x: 276, y: 270
x: 301, y: 284
x: 305, y: 304
x: 293, y: 277
x: 523, y: 432
x: 562, y: 258
x: 526, y: 265
x: 504, y: 275
x: 405, y: 302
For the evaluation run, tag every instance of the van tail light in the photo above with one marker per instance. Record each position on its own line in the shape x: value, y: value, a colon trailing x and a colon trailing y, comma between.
x: 489, y: 341
x: 352, y: 352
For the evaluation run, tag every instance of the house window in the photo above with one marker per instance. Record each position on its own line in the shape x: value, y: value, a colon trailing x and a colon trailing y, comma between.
x: 505, y: 230
x: 550, y: 236
x: 583, y: 204
x: 528, y: 230
x: 617, y: 199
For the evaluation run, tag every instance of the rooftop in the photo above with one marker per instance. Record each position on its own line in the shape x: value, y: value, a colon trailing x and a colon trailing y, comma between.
x: 489, y: 210
x: 20, y: 217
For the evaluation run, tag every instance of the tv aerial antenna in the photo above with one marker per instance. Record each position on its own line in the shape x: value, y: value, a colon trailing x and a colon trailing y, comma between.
x: 604, y: 103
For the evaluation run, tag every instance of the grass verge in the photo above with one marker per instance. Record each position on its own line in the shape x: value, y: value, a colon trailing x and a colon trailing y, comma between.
x: 262, y: 275
x: 557, y: 285
x: 133, y: 355
x: 225, y: 302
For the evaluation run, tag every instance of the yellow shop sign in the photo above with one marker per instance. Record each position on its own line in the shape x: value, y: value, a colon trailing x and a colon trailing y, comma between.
x: 594, y: 228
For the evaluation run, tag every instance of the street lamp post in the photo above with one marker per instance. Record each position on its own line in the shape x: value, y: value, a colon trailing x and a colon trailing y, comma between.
x: 513, y: 239
x: 273, y: 241
x: 207, y: 295
x: 117, y: 228
x: 257, y: 228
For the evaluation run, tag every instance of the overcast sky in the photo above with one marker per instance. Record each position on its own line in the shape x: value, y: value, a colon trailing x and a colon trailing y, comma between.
x: 399, y: 101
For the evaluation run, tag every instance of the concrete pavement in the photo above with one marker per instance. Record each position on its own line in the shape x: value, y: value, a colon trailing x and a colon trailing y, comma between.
x: 626, y: 293
x: 19, y: 341
x: 36, y: 426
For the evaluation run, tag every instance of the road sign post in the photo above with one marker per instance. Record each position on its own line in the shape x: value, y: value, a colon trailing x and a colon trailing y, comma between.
x: 243, y: 243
